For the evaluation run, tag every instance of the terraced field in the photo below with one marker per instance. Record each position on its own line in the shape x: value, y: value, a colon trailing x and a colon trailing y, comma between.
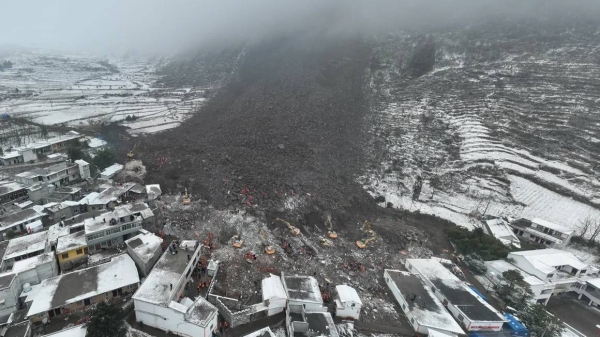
x: 520, y: 103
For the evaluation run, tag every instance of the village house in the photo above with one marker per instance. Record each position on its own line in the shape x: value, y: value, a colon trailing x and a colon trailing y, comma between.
x: 273, y: 294
x: 145, y: 249
x: 111, y: 171
x: 113, y: 228
x: 9, y: 293
x: 71, y: 250
x: 22, y: 329
x: 153, y: 192
x: 468, y: 308
x: 29, y: 153
x: 302, y: 291
x: 64, y: 210
x: 264, y: 332
x: 18, y: 222
x: 425, y: 312
x: 160, y: 300
x: 310, y: 322
x: 12, y: 192
x: 558, y: 267
x: 540, y: 290
x: 75, y: 291
x: 108, y: 198
x: 542, y: 232
x: 84, y: 169
x: 347, y: 302
x: 76, y: 331
x: 501, y: 230
x: 57, y: 175
x: 95, y: 145
x: 24, y: 247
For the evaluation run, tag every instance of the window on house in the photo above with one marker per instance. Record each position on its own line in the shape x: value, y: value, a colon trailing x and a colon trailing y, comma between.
x: 79, y: 251
x: 65, y: 255
x: 85, y: 250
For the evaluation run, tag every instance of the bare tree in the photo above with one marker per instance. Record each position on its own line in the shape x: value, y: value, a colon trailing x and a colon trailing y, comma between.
x: 585, y: 226
x: 594, y: 231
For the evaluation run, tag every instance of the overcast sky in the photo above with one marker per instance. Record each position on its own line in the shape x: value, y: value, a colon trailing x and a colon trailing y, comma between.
x: 170, y: 25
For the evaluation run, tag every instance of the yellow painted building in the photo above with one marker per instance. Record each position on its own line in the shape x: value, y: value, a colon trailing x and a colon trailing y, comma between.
x: 71, y: 249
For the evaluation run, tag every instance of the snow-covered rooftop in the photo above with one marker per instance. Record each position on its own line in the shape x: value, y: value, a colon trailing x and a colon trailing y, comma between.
x: 91, y: 196
x: 45, y: 171
x: 347, y: 294
x: 55, y: 231
x: 456, y: 291
x: 501, y: 266
x: 272, y: 287
x: 81, y: 162
x: 77, y: 331
x: 112, y: 193
x: 70, y: 242
x: 200, y: 312
x: 112, y: 170
x: 6, y: 279
x: 32, y: 262
x: 501, y: 230
x: 264, y: 332
x: 153, y: 191
x: 53, y: 140
x: 426, y: 308
x: 302, y: 288
x: 102, y: 221
x: 7, y: 187
x: 96, y: 143
x: 546, y: 260
x: 144, y: 245
x: 551, y: 225
x: 26, y: 244
x: 167, y: 272
x: 79, y: 285
x: 9, y: 155
x: 594, y: 282
x: 19, y: 217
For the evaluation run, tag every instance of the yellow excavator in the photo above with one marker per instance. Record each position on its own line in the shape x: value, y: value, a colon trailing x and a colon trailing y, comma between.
x: 186, y: 198
x: 269, y: 249
x: 329, y: 224
x: 293, y: 230
x: 369, y: 231
x: 131, y: 153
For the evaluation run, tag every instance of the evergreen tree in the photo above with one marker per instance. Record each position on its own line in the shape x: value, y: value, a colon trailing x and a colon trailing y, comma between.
x: 106, y: 321
x: 104, y: 159
x: 540, y: 322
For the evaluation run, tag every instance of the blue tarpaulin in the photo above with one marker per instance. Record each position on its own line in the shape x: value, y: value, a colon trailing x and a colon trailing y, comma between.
x: 478, y: 293
x: 515, y: 327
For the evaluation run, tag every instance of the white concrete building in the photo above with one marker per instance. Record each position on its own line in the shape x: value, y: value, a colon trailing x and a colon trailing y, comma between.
x: 57, y: 175
x: 551, y: 266
x: 18, y: 221
x: 159, y: 301
x: 145, y: 249
x: 75, y: 291
x: 111, y: 171
x: 264, y: 332
x: 24, y: 247
x: 541, y: 291
x: 302, y: 291
x: 12, y: 192
x: 84, y: 168
x: 347, y: 302
x: 542, y: 232
x: 9, y: 293
x: 423, y: 310
x: 22, y: 329
x: 468, y: 308
x: 274, y: 294
x: 501, y: 230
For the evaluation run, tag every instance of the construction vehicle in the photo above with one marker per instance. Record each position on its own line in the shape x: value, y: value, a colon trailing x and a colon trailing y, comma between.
x: 269, y: 249
x: 186, y: 198
x: 369, y: 231
x: 250, y: 257
x: 329, y: 224
x: 293, y: 230
x: 325, y: 242
x: 237, y: 241
x: 131, y: 153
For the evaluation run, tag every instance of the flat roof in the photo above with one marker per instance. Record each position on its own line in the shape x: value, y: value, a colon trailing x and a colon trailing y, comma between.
x: 70, y: 242
x: 302, y: 288
x: 102, y: 221
x: 200, y: 312
x: 77, y: 331
x: 501, y: 266
x: 26, y: 244
x: 19, y: 216
x: 9, y: 155
x: 55, y: 231
x: 111, y: 194
x: 321, y: 323
x: 144, y: 245
x: 167, y: 271
x: 96, y: 142
x: 551, y: 225
x: 501, y: 229
x: 53, y: 140
x: 456, y: 291
x: 7, y: 187
x: 112, y: 170
x: 79, y: 285
x: 153, y: 191
x: 546, y: 260
x: 32, y: 262
x: 45, y: 171
x: 18, y: 330
x: 425, y: 308
x: 272, y: 287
